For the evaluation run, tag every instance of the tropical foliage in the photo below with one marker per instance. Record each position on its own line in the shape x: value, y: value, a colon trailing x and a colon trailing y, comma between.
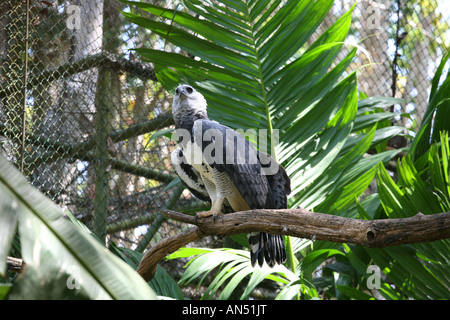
x: 63, y: 260
x: 257, y: 67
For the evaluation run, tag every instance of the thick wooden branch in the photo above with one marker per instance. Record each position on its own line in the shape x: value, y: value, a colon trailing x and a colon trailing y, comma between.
x: 147, y: 266
x: 302, y: 224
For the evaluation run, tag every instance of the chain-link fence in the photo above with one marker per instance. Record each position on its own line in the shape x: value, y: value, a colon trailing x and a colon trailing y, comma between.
x: 87, y: 121
x: 81, y: 116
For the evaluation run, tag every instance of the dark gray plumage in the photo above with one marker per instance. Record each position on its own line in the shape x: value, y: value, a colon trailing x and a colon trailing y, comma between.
x: 230, y: 171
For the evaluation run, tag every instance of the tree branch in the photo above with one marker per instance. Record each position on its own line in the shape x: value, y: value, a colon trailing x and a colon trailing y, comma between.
x: 82, y: 151
x: 147, y: 266
x: 141, y: 70
x: 60, y: 150
x: 302, y: 224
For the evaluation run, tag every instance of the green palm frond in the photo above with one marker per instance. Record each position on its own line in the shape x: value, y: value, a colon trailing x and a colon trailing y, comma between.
x: 231, y: 266
x: 425, y: 265
x: 254, y: 67
x: 436, y: 117
x: 62, y: 259
x: 258, y: 68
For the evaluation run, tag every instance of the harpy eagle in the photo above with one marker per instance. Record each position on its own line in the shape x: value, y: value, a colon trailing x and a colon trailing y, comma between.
x: 219, y: 165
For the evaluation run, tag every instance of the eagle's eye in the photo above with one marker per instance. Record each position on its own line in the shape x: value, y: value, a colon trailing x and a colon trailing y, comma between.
x: 189, y: 90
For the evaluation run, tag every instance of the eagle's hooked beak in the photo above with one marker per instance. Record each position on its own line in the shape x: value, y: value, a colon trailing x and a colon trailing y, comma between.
x: 184, y: 89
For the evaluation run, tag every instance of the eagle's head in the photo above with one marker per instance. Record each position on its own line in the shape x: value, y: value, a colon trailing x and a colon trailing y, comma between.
x: 188, y: 101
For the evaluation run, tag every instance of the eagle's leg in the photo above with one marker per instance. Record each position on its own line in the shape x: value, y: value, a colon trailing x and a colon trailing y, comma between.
x: 216, y: 210
x: 218, y: 189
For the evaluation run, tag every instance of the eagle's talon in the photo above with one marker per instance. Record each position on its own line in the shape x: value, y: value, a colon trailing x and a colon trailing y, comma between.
x: 217, y: 215
x: 206, y: 214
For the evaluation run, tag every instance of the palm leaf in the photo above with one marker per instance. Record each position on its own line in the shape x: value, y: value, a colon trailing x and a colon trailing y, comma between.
x: 418, y: 271
x: 255, y: 70
x: 252, y: 76
x: 436, y: 117
x: 62, y: 259
x: 233, y: 267
x: 423, y: 265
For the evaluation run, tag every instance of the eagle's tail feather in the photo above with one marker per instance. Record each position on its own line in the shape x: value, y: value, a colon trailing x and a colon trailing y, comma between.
x: 268, y: 247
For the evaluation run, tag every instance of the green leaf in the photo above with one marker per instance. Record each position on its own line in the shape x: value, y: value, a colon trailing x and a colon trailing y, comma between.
x: 418, y: 271
x: 257, y: 67
x: 164, y: 285
x: 315, y: 258
x: 233, y: 267
x: 187, y: 252
x: 341, y: 197
x: 8, y: 224
x: 354, y: 293
x: 436, y: 117
x: 4, y: 290
x: 58, y: 253
x: 377, y: 103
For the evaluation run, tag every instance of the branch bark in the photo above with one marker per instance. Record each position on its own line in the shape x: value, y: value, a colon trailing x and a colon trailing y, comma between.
x: 302, y: 224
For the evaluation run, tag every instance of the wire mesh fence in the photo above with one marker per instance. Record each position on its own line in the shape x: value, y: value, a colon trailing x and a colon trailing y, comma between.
x: 81, y: 116
x: 86, y: 121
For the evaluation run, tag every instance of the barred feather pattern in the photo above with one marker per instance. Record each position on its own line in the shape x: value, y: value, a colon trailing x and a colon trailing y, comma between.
x: 270, y: 247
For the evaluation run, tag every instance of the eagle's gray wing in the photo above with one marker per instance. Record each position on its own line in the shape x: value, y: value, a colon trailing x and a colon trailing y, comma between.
x: 227, y: 151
